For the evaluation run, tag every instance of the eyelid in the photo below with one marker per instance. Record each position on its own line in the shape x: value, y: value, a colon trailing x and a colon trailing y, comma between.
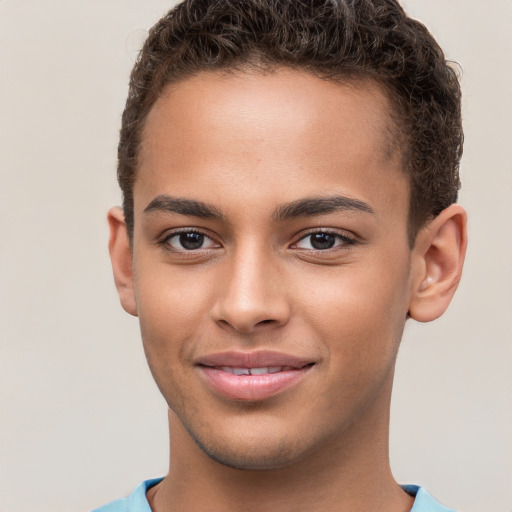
x: 168, y: 235
x: 346, y: 238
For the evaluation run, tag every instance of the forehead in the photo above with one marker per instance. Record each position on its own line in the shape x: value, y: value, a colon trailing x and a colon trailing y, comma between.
x: 287, y: 130
x: 250, y: 97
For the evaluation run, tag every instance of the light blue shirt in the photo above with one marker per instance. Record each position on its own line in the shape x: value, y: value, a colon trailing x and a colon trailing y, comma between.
x: 137, y: 502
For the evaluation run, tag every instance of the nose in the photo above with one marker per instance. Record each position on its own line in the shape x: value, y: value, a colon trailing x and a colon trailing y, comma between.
x: 252, y: 295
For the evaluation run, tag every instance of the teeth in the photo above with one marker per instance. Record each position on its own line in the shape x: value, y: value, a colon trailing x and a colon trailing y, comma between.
x: 241, y: 371
x: 260, y: 371
x: 275, y: 369
x: 254, y: 371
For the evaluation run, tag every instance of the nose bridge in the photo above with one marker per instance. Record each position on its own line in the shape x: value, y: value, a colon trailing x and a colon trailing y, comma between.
x: 251, y: 295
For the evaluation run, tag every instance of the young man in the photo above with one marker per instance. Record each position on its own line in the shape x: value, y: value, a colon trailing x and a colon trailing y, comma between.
x: 289, y: 172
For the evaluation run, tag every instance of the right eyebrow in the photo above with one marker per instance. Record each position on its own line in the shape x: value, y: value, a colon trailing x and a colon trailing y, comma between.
x: 312, y: 206
x: 190, y: 207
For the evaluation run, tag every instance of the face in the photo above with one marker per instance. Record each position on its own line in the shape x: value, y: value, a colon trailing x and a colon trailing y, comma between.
x: 271, y: 262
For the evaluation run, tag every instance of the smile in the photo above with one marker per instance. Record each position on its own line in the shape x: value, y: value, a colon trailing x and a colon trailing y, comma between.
x: 252, y: 377
x: 255, y: 371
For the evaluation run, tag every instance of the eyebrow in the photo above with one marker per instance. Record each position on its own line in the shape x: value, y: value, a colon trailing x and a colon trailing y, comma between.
x: 311, y: 206
x: 165, y: 203
x: 307, y: 207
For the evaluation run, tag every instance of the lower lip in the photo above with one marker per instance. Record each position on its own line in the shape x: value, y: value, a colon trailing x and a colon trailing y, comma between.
x: 252, y: 388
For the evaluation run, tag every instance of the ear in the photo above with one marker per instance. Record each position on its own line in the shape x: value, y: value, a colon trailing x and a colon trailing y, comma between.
x: 121, y: 258
x: 438, y: 257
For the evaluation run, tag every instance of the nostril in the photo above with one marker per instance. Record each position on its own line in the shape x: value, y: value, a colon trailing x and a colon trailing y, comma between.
x: 245, y: 314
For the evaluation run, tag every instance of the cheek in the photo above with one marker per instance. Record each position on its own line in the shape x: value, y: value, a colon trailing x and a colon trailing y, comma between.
x: 358, y: 308
x: 171, y: 307
x: 357, y: 319
x: 170, y: 312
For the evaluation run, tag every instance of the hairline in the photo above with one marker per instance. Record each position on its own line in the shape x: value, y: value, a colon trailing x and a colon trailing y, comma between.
x: 394, y: 143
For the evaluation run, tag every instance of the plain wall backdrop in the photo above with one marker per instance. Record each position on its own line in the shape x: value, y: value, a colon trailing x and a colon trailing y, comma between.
x: 81, y: 421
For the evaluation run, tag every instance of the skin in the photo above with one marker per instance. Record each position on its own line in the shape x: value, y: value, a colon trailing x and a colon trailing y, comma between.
x: 248, y: 145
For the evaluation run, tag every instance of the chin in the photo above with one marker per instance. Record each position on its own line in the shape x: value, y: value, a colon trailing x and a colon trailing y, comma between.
x: 250, y: 461
x: 250, y: 454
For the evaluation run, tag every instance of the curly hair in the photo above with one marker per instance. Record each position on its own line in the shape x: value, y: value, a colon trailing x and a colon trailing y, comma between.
x: 332, y: 39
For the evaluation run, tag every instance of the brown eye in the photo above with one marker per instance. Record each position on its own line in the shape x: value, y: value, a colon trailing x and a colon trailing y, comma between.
x: 189, y: 241
x: 322, y: 241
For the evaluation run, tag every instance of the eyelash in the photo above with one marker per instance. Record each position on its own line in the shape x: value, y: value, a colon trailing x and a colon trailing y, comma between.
x: 343, y: 240
x: 165, y: 241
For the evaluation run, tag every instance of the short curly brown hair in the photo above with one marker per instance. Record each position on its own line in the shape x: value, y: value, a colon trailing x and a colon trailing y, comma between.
x: 332, y: 39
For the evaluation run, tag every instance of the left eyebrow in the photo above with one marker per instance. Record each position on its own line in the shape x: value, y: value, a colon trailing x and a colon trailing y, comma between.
x: 311, y: 206
x: 183, y: 206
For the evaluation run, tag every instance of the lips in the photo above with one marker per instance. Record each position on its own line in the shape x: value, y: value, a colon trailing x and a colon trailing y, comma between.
x: 253, y: 376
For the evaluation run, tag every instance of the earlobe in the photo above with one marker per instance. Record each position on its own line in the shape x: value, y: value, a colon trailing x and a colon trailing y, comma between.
x: 439, y: 254
x: 121, y: 258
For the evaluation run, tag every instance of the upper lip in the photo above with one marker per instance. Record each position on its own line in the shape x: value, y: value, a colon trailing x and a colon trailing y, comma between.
x: 258, y: 359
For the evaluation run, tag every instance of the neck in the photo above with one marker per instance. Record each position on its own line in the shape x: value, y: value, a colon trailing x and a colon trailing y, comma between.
x: 351, y: 473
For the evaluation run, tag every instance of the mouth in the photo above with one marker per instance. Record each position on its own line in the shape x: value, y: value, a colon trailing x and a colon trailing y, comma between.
x: 253, y: 376
x: 265, y: 370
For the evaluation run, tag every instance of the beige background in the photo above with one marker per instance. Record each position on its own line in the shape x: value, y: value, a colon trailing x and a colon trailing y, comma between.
x: 81, y: 421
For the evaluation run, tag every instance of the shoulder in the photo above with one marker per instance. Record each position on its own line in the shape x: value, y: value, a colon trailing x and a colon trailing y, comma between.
x: 135, y: 502
x: 423, y: 501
